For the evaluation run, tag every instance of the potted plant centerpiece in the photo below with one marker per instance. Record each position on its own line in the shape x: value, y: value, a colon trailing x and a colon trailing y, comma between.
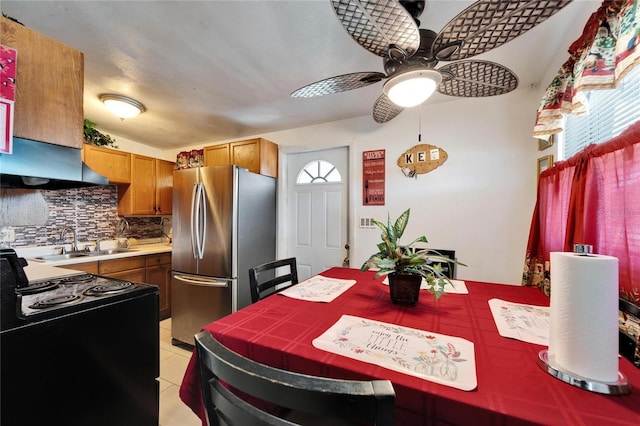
x: 407, y: 265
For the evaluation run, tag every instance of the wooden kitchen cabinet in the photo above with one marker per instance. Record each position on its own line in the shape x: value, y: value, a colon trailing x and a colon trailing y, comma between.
x: 257, y: 155
x: 115, y: 165
x: 126, y: 268
x: 159, y: 273
x: 217, y: 155
x: 164, y: 186
x: 88, y: 267
x: 143, y: 184
x: 49, y: 87
x: 151, y: 189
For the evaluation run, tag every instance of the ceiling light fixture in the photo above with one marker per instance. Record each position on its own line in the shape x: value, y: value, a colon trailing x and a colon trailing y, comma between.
x: 122, y: 106
x: 412, y: 88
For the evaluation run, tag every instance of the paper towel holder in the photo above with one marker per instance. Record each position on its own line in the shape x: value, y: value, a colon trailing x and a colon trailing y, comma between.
x: 621, y: 387
x: 583, y: 249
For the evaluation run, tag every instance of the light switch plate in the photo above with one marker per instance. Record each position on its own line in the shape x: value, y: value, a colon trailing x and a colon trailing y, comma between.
x: 7, y: 235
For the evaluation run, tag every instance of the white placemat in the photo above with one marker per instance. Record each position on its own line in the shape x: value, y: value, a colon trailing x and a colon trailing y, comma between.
x: 458, y: 287
x: 435, y: 357
x: 318, y: 289
x: 528, y: 323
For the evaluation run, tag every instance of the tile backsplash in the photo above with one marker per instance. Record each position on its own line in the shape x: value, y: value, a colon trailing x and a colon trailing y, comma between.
x: 92, y: 212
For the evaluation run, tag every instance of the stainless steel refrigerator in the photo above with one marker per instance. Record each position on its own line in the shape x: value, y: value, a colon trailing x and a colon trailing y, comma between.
x: 224, y: 222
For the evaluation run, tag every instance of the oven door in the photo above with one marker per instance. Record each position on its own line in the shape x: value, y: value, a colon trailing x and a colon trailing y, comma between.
x: 96, y: 366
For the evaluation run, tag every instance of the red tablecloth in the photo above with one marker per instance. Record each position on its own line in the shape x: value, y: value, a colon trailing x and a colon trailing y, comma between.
x: 512, y: 389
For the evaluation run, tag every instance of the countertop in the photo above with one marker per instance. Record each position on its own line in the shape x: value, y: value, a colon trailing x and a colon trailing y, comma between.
x: 37, y: 271
x: 140, y: 249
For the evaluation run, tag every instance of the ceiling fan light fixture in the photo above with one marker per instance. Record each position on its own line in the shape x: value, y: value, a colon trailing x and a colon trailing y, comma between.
x: 412, y: 88
x: 122, y: 106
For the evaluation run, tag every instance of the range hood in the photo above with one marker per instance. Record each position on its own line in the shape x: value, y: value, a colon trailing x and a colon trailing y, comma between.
x: 39, y: 165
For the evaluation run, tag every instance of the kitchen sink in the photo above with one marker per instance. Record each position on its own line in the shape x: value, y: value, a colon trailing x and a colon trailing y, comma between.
x: 64, y: 256
x: 108, y: 251
x: 74, y: 254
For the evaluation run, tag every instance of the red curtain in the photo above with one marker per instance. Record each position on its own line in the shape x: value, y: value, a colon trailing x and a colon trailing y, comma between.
x: 591, y: 198
x: 599, y: 59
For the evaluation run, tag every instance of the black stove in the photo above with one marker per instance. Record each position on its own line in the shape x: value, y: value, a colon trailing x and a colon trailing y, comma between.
x: 77, y: 332
x: 47, y: 298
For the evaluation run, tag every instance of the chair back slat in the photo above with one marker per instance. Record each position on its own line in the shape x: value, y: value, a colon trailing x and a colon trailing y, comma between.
x: 263, y: 280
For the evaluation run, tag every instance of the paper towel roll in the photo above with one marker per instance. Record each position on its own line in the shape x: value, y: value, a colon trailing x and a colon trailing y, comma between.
x: 583, y: 336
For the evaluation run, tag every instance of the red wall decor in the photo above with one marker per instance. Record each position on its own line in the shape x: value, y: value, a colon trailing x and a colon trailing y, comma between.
x: 8, y: 57
x: 373, y: 173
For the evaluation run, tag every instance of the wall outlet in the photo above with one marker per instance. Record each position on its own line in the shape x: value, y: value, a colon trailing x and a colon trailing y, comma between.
x: 7, y: 235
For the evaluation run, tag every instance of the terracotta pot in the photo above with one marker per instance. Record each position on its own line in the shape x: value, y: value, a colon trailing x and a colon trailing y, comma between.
x: 404, y: 289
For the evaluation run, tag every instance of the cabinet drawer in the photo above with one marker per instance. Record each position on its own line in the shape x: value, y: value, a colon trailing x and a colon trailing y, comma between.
x: 124, y: 264
x: 158, y: 259
x: 135, y: 275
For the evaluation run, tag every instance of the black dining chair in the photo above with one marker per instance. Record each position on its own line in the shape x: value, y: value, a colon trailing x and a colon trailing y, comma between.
x: 327, y: 401
x: 448, y: 268
x: 263, y: 279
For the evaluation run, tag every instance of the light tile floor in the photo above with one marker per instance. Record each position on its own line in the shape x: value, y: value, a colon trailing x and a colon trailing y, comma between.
x: 173, y: 363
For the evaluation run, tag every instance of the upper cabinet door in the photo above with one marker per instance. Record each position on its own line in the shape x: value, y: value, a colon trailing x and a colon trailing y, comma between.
x: 49, y: 87
x: 164, y: 186
x: 114, y: 164
x: 143, y: 184
x: 217, y: 155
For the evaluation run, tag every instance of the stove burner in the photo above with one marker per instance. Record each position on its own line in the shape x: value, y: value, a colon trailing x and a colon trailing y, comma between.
x: 75, y: 279
x: 38, y: 287
x: 52, y: 284
x: 111, y: 287
x: 66, y: 299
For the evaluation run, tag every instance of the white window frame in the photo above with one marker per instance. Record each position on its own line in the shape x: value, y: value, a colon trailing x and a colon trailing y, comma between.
x: 610, y: 113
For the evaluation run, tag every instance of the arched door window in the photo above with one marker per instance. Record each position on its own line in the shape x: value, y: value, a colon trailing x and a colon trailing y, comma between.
x: 318, y: 171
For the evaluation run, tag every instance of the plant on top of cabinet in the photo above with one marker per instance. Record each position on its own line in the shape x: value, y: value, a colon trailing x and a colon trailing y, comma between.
x: 94, y: 136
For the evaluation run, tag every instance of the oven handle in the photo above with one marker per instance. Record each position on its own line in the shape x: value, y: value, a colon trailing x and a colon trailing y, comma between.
x: 201, y: 281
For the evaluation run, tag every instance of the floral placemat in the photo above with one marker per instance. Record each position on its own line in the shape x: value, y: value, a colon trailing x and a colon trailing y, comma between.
x: 318, y: 289
x: 435, y: 357
x: 528, y: 323
x: 456, y: 286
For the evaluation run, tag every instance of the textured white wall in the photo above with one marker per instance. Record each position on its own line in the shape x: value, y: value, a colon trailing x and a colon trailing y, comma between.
x: 479, y: 202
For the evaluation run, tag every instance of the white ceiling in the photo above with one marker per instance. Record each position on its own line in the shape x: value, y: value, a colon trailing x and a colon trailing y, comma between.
x: 210, y: 71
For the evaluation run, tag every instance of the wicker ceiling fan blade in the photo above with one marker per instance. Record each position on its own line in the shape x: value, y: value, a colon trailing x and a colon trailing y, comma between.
x: 472, y: 79
x: 488, y: 24
x: 384, y: 110
x: 339, y: 83
x: 376, y: 25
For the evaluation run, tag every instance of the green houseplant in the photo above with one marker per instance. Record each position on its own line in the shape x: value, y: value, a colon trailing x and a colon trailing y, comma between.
x: 407, y: 263
x: 94, y: 136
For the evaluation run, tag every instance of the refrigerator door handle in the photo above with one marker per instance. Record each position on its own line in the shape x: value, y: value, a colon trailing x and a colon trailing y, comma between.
x: 201, y: 281
x: 193, y: 221
x: 203, y: 209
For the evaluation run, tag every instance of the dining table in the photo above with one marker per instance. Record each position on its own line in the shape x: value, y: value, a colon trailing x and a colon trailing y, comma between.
x: 510, y: 386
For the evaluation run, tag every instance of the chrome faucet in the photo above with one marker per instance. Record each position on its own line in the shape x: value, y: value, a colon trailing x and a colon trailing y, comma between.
x: 63, y: 233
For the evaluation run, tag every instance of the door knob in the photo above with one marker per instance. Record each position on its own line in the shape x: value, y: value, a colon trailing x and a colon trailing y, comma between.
x: 345, y: 261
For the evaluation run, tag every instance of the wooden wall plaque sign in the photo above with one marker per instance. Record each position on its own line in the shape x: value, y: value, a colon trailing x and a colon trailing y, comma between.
x: 421, y: 159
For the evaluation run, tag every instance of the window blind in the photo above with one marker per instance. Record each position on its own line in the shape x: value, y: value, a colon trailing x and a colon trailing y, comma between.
x: 610, y: 113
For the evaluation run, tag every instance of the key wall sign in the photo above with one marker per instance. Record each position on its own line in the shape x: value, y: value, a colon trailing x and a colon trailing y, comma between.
x: 421, y: 159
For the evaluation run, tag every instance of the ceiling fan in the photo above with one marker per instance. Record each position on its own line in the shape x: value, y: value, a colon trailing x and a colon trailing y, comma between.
x: 390, y: 29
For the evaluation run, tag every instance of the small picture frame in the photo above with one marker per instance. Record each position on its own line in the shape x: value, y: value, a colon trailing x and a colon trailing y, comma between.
x: 544, y: 163
x: 543, y: 144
